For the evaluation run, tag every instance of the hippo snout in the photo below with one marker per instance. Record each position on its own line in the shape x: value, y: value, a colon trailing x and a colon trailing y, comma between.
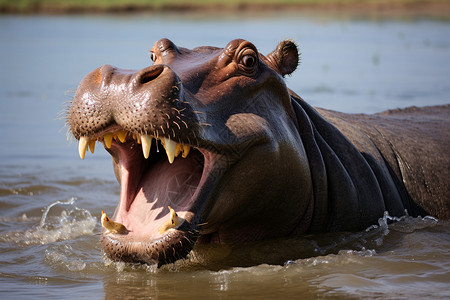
x: 157, y: 106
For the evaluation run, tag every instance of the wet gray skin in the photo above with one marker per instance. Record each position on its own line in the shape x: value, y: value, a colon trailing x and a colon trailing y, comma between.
x: 215, y: 134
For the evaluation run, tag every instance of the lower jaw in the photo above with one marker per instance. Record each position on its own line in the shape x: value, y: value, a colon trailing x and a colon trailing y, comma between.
x: 175, y: 244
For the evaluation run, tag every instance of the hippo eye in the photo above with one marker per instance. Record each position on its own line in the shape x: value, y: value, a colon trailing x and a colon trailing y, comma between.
x: 153, y: 56
x: 248, y: 61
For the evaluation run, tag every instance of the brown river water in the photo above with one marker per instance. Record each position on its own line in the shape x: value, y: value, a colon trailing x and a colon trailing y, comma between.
x: 50, y: 200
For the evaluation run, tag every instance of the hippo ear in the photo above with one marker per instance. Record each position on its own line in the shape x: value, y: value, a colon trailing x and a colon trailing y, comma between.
x: 285, y: 58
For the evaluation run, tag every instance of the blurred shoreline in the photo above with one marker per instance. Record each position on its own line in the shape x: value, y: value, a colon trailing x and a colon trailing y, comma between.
x: 414, y: 8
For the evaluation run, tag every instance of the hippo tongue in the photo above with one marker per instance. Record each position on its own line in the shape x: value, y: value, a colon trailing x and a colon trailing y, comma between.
x: 148, y: 187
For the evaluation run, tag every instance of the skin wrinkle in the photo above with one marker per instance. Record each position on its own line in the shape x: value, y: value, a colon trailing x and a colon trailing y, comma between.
x: 319, y: 198
x: 372, y: 155
x: 395, y: 153
x: 360, y: 173
x: 267, y: 165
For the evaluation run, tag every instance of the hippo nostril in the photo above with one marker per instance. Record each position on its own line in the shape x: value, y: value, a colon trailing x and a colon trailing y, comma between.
x: 150, y: 74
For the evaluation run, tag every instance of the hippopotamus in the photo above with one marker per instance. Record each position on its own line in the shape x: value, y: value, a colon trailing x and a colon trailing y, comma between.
x: 210, y: 146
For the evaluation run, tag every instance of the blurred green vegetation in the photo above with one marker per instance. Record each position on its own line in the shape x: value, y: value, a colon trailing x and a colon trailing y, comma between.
x: 30, y: 6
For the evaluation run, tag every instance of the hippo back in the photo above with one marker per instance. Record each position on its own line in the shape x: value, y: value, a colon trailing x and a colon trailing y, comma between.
x: 394, y: 161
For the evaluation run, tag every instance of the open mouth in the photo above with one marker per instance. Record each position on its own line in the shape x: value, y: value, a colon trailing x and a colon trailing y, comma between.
x: 161, y: 180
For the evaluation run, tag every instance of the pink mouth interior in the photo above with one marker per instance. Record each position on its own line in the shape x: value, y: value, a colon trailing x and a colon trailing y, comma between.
x: 149, y: 186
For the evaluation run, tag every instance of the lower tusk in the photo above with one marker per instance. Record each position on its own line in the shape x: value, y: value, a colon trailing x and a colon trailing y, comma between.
x: 111, y: 226
x: 174, y: 221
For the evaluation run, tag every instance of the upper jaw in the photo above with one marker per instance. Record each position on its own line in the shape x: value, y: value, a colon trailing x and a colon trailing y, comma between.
x: 116, y: 133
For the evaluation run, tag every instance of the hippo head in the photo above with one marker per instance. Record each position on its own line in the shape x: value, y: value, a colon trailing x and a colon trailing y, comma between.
x: 209, y: 132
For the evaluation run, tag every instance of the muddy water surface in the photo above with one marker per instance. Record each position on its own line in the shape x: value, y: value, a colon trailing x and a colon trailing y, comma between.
x: 50, y: 200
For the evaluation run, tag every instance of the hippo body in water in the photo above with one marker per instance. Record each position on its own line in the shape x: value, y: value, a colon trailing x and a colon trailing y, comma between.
x: 216, y: 135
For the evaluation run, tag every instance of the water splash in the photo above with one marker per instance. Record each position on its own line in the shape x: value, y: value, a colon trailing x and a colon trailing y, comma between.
x: 405, y: 224
x: 64, y: 257
x: 313, y: 249
x: 71, y: 223
x: 124, y: 267
x: 71, y: 201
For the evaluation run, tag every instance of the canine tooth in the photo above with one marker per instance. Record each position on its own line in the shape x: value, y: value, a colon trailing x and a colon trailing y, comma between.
x: 108, y: 139
x: 92, y: 146
x: 170, y: 146
x: 186, y: 150
x: 111, y: 226
x: 178, y: 149
x: 146, y: 141
x: 122, y: 135
x: 83, y: 146
x: 173, y: 222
